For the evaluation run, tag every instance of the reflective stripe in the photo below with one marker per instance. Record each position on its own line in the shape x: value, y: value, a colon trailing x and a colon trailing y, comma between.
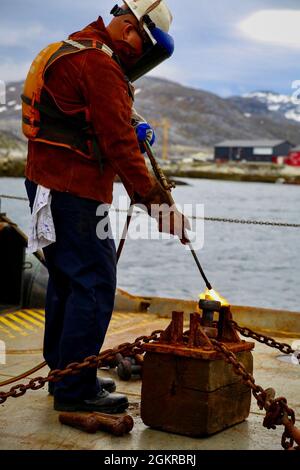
x: 75, y: 44
x: 103, y: 47
x: 107, y: 50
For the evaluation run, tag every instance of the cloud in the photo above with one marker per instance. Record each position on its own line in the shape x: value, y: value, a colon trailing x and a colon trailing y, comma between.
x: 212, y: 49
x: 16, y: 36
x: 20, y: 35
x: 11, y: 70
x: 273, y: 27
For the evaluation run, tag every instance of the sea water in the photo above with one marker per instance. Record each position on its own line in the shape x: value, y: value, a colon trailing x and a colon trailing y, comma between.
x: 248, y: 264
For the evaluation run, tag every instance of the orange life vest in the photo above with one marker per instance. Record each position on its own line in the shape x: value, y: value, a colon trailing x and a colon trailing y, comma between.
x: 42, y: 120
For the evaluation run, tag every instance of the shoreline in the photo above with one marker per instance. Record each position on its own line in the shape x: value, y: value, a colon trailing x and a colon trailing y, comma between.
x: 243, y: 172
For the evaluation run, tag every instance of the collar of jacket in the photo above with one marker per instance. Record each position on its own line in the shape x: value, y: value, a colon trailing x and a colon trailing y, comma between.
x: 95, y: 30
x: 98, y: 32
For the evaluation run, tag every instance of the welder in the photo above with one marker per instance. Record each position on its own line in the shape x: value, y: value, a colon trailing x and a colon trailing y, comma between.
x: 82, y: 131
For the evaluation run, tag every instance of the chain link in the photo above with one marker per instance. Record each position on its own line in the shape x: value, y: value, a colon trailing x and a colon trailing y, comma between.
x: 248, y: 222
x: 272, y: 343
x: 240, y: 370
x: 14, y: 198
x: 207, y: 219
x: 276, y: 408
x: 236, y: 221
x: 103, y: 359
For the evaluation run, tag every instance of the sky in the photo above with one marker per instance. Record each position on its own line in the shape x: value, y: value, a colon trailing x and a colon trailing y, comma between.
x: 228, y: 47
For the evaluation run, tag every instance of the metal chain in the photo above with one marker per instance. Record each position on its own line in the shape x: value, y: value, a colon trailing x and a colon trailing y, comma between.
x: 276, y: 409
x: 237, y: 221
x: 272, y: 343
x: 207, y: 219
x: 16, y: 198
x: 258, y: 392
x: 103, y: 359
x: 248, y: 222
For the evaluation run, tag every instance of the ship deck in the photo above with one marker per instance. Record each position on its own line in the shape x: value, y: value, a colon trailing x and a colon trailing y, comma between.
x: 30, y: 423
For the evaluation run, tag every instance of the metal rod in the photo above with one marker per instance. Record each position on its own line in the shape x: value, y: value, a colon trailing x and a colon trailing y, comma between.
x: 167, y: 187
x: 207, y: 283
x: 125, y: 231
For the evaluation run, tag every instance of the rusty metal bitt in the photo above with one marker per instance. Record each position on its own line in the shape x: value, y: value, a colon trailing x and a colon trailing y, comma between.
x: 195, y: 392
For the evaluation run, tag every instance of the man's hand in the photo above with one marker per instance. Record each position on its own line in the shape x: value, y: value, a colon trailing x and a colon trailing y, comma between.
x: 160, y: 205
x: 171, y: 220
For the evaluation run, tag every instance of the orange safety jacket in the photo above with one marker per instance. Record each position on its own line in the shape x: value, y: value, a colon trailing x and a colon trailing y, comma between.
x: 43, y: 120
x: 90, y: 85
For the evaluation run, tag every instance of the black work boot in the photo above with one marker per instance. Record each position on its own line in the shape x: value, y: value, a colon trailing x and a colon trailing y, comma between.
x: 104, y: 383
x: 104, y: 402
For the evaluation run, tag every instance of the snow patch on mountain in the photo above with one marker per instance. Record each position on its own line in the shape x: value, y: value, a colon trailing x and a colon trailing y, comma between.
x: 285, y: 105
x: 293, y: 115
x: 270, y: 97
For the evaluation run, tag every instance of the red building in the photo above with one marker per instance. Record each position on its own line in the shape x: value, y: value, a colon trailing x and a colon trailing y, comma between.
x: 293, y: 158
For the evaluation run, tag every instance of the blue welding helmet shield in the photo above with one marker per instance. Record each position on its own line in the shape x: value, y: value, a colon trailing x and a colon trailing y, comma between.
x: 159, y: 46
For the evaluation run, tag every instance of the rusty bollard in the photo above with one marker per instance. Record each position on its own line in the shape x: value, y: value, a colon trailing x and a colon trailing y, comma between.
x: 93, y: 422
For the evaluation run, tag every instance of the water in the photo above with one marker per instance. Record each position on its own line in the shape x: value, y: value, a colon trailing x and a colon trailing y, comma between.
x: 249, y: 265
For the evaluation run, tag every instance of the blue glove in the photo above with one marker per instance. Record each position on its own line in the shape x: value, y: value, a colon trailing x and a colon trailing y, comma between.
x: 145, y: 132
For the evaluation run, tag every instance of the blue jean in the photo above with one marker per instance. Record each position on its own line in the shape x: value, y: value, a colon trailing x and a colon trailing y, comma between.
x: 80, y: 294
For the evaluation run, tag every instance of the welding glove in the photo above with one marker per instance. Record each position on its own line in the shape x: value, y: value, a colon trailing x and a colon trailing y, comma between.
x: 160, y: 205
x: 143, y: 130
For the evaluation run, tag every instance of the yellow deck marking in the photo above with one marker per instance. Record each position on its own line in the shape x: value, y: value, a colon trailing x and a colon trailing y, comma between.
x: 11, y: 316
x: 119, y: 315
x: 6, y: 332
x: 30, y: 319
x: 12, y: 326
x: 39, y: 317
x: 39, y: 311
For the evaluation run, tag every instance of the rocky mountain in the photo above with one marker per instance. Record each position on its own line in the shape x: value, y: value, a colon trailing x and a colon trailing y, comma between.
x: 10, y: 142
x: 268, y: 103
x: 198, y: 119
x: 204, y: 119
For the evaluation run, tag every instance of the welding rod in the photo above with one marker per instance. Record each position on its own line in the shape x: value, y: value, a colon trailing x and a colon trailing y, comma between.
x: 207, y: 283
x: 123, y: 239
x: 167, y: 187
x: 125, y: 231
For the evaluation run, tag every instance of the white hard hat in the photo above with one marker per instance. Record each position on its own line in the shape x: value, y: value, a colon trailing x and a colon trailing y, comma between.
x: 156, y: 10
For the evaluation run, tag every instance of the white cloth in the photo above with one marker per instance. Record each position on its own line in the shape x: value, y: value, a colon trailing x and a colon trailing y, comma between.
x: 42, y: 230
